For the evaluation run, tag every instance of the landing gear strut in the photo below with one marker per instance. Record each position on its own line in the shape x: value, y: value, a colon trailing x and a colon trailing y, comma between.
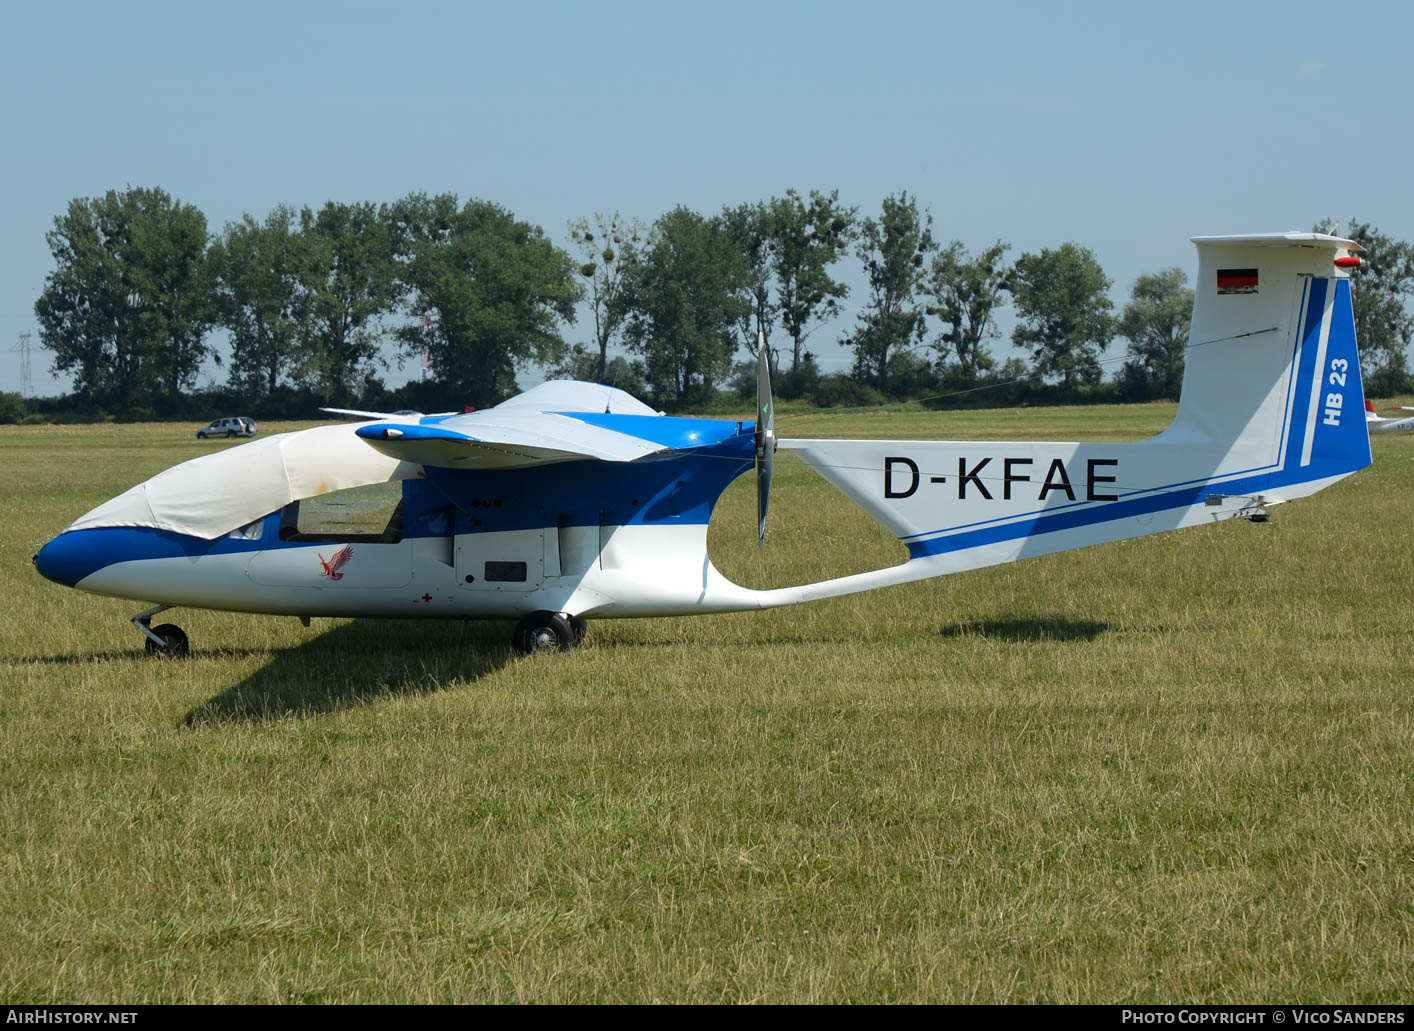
x: 541, y: 633
x: 167, y: 640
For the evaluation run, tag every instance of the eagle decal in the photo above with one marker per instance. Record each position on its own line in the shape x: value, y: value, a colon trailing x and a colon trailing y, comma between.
x: 340, y: 559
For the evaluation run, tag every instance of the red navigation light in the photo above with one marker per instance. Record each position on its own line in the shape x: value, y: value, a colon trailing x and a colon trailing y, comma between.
x: 1347, y: 261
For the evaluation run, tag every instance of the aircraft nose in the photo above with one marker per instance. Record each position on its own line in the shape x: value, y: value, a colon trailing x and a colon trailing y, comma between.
x: 68, y: 558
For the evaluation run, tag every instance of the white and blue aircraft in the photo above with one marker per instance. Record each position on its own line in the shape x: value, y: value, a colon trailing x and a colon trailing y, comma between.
x: 574, y: 501
x: 1375, y: 423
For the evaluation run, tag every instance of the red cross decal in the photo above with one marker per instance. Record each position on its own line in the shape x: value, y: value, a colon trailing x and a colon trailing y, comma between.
x: 427, y: 597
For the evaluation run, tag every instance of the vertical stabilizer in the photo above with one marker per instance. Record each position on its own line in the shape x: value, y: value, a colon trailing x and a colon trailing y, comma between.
x: 1272, y: 369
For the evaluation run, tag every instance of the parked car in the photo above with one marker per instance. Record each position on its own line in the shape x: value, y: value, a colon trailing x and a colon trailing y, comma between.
x: 235, y: 426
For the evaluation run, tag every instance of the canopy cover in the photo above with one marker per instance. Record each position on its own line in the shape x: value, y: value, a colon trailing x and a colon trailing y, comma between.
x: 212, y: 495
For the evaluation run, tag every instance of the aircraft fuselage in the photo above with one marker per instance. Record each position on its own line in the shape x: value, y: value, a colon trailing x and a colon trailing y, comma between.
x: 580, y: 536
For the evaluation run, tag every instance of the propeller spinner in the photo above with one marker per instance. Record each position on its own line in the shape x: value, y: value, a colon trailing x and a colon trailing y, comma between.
x: 765, y: 438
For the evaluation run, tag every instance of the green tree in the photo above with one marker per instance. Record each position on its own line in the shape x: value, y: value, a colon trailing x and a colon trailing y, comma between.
x: 894, y: 250
x: 685, y: 295
x: 348, y: 278
x: 1155, y: 322
x: 788, y: 246
x: 128, y: 306
x: 1063, y: 311
x: 86, y: 315
x: 13, y: 407
x: 176, y: 295
x: 495, y: 287
x: 805, y: 239
x: 749, y: 228
x: 606, y: 249
x: 966, y: 292
x: 1380, y: 291
x: 257, y: 272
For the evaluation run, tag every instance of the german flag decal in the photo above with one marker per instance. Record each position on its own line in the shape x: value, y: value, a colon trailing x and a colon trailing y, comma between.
x: 1237, y: 281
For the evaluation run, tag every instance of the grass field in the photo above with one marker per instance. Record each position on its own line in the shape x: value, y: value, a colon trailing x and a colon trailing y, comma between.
x: 1172, y: 769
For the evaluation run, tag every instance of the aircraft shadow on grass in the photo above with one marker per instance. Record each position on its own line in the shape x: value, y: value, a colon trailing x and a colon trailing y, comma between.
x: 368, y: 660
x: 1037, y: 628
x: 356, y: 664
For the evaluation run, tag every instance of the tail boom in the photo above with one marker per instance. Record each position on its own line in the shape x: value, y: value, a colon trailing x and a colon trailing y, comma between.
x: 1271, y: 410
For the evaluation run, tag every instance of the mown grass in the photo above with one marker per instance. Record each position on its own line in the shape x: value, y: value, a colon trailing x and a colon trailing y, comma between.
x: 1169, y: 769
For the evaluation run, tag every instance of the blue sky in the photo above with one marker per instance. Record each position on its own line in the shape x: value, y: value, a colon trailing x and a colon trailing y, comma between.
x: 1125, y: 127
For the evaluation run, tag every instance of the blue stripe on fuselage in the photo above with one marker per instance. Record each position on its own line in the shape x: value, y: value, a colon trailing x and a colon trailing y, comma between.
x: 1182, y: 498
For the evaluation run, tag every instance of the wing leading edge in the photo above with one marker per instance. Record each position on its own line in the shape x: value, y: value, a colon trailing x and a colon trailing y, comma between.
x: 512, y: 439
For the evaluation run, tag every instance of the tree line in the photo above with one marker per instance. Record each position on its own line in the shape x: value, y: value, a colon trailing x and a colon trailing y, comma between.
x: 306, y: 299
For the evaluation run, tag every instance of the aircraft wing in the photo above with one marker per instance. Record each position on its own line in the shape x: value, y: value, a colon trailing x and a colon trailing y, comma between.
x: 558, y: 421
x: 508, y: 440
x: 379, y: 415
x: 360, y: 413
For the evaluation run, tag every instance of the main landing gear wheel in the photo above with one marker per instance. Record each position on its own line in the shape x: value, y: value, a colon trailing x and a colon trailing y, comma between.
x: 174, y: 642
x: 580, y: 626
x: 541, y: 633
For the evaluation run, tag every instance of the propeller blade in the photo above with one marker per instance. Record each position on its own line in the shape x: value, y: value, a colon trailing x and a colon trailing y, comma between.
x: 765, y: 438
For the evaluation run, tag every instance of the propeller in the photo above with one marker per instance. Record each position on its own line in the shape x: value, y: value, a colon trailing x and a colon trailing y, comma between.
x: 765, y: 438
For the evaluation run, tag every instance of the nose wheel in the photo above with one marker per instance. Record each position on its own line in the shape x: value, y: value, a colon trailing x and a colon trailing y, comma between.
x: 174, y: 642
x: 167, y: 640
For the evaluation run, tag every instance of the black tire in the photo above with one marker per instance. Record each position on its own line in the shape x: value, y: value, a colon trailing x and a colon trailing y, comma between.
x: 176, y: 638
x: 541, y: 633
x: 580, y: 626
